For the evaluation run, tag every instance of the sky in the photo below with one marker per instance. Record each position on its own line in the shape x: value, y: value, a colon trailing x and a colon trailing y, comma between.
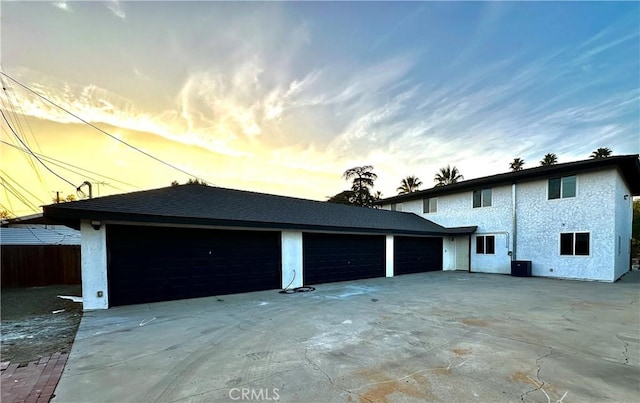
x: 283, y: 97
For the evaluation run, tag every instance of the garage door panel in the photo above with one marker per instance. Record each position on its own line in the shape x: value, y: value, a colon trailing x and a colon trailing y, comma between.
x: 337, y: 257
x: 149, y: 264
x: 417, y: 254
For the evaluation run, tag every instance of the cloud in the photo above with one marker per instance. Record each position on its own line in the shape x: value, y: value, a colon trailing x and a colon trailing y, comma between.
x: 117, y: 9
x: 62, y: 5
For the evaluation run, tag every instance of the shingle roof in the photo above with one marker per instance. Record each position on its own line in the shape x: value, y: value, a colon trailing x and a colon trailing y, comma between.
x: 206, y: 205
x: 628, y: 165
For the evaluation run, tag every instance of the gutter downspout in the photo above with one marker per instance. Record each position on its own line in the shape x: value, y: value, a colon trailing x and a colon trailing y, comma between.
x: 514, y: 222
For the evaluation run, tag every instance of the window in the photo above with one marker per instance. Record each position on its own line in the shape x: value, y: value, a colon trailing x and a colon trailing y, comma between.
x: 430, y: 205
x: 562, y: 187
x: 574, y: 244
x: 482, y: 198
x: 396, y: 207
x: 486, y: 245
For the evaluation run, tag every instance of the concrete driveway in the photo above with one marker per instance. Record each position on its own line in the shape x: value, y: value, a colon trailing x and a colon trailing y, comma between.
x: 443, y: 336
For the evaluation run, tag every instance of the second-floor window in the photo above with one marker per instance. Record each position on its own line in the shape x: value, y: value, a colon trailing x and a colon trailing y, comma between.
x: 563, y: 187
x: 430, y: 205
x: 482, y: 198
x: 396, y: 207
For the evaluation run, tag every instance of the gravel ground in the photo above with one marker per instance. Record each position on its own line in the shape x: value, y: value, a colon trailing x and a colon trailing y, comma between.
x: 30, y: 329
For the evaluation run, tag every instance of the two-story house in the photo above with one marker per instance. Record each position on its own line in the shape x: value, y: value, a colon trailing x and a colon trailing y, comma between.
x: 571, y: 220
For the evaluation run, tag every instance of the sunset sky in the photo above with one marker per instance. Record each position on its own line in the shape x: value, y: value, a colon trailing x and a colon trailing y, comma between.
x: 283, y: 97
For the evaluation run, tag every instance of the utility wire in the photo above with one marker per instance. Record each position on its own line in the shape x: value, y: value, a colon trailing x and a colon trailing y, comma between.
x: 101, y: 130
x: 50, y: 159
x: 15, y: 182
x: 18, y: 195
x: 19, y: 108
x: 32, y: 153
x: 10, y: 110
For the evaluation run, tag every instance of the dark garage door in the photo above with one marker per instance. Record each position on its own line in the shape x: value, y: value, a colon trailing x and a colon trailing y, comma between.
x: 331, y: 257
x: 416, y: 255
x: 150, y: 264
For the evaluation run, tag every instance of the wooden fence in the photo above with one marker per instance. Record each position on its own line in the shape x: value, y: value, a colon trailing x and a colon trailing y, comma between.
x: 39, y: 265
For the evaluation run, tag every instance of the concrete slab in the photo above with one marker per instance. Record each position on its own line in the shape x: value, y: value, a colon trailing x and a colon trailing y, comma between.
x: 443, y: 336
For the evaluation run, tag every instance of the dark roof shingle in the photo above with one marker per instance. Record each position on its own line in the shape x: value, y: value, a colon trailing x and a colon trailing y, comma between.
x: 206, y: 205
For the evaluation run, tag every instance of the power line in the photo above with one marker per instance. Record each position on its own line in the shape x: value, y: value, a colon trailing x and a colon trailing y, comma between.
x: 4, y: 174
x: 20, y: 110
x: 32, y: 153
x: 101, y: 130
x: 18, y: 195
x: 10, y: 110
x: 50, y: 159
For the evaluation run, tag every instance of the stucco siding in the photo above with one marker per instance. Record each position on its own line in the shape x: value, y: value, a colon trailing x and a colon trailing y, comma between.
x: 457, y: 210
x: 93, y: 257
x: 623, y: 227
x: 292, y: 266
x: 541, y: 221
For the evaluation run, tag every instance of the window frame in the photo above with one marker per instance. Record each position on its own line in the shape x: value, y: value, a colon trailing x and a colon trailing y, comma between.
x: 426, y: 205
x: 574, y: 242
x: 482, y: 240
x: 482, y: 193
x: 562, y: 187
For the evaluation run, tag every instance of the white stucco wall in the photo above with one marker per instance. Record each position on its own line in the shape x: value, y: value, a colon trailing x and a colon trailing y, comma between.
x: 93, y: 252
x: 540, y: 222
x: 623, y: 227
x: 457, y: 210
x: 598, y: 208
x: 389, y: 256
x: 292, y: 265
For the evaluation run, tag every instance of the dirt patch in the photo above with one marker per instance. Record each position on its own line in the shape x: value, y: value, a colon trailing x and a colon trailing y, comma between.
x: 460, y: 352
x: 30, y: 329
x: 383, y: 387
x: 524, y: 378
x: 475, y: 322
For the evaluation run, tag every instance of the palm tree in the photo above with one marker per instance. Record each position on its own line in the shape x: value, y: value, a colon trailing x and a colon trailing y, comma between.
x: 602, y: 152
x: 447, y: 176
x: 409, y: 184
x: 549, y: 159
x: 517, y: 164
x: 363, y: 179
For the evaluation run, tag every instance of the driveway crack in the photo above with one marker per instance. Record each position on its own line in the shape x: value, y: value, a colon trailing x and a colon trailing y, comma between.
x: 316, y: 366
x: 539, y: 382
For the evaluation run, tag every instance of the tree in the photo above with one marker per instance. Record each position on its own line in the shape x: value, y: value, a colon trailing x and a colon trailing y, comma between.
x: 68, y: 198
x: 344, y: 197
x: 5, y: 214
x: 549, y: 159
x: 447, y: 176
x: 602, y: 152
x: 362, y: 182
x: 191, y: 181
x: 196, y: 181
x: 409, y: 184
x: 516, y: 164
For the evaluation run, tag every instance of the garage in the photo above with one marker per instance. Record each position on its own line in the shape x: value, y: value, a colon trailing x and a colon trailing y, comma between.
x: 417, y: 254
x: 150, y: 263
x: 336, y: 257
